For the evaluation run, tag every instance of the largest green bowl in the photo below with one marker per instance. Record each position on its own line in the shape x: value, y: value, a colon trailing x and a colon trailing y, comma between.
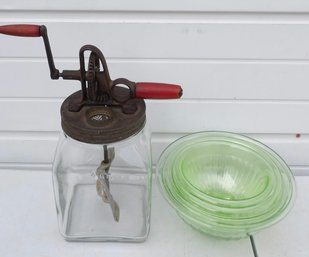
x: 225, y: 184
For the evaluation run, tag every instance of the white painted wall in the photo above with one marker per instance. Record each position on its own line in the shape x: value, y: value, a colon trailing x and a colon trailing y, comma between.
x: 243, y: 65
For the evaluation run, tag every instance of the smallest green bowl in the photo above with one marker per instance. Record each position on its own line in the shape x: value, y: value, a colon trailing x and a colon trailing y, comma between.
x: 225, y: 184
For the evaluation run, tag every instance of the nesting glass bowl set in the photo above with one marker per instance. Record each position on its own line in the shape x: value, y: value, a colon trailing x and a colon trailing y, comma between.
x: 225, y: 184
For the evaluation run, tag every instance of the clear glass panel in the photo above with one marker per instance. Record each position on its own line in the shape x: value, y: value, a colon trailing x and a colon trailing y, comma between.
x: 102, y: 192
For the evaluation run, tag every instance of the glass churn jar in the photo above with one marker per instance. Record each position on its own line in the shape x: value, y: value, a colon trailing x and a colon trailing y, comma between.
x: 102, y: 174
x: 102, y: 167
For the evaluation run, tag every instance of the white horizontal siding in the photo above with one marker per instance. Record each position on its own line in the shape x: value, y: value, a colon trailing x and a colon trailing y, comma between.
x: 171, y: 5
x: 22, y: 147
x: 243, y: 66
x: 200, y: 79
x: 168, y: 40
x: 27, y: 147
x: 179, y: 116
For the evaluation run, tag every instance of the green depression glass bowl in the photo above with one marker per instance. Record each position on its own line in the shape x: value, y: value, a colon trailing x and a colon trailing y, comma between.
x: 225, y: 184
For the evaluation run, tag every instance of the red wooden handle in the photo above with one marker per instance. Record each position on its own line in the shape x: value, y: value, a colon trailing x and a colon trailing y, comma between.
x: 21, y: 30
x: 149, y: 90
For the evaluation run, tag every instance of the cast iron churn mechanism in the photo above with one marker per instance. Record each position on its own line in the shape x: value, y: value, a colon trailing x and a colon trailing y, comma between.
x: 104, y: 146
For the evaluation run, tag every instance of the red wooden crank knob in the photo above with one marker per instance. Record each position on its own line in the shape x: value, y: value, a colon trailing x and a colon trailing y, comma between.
x: 21, y: 30
x: 150, y: 90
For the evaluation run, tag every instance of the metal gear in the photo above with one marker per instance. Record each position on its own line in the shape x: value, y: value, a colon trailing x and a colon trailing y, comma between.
x: 93, y: 67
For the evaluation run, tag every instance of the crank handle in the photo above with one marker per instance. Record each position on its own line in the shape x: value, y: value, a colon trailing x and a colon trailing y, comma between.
x: 30, y: 30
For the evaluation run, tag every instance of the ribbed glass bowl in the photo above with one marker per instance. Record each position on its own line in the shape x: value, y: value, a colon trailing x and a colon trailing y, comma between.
x: 225, y: 184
